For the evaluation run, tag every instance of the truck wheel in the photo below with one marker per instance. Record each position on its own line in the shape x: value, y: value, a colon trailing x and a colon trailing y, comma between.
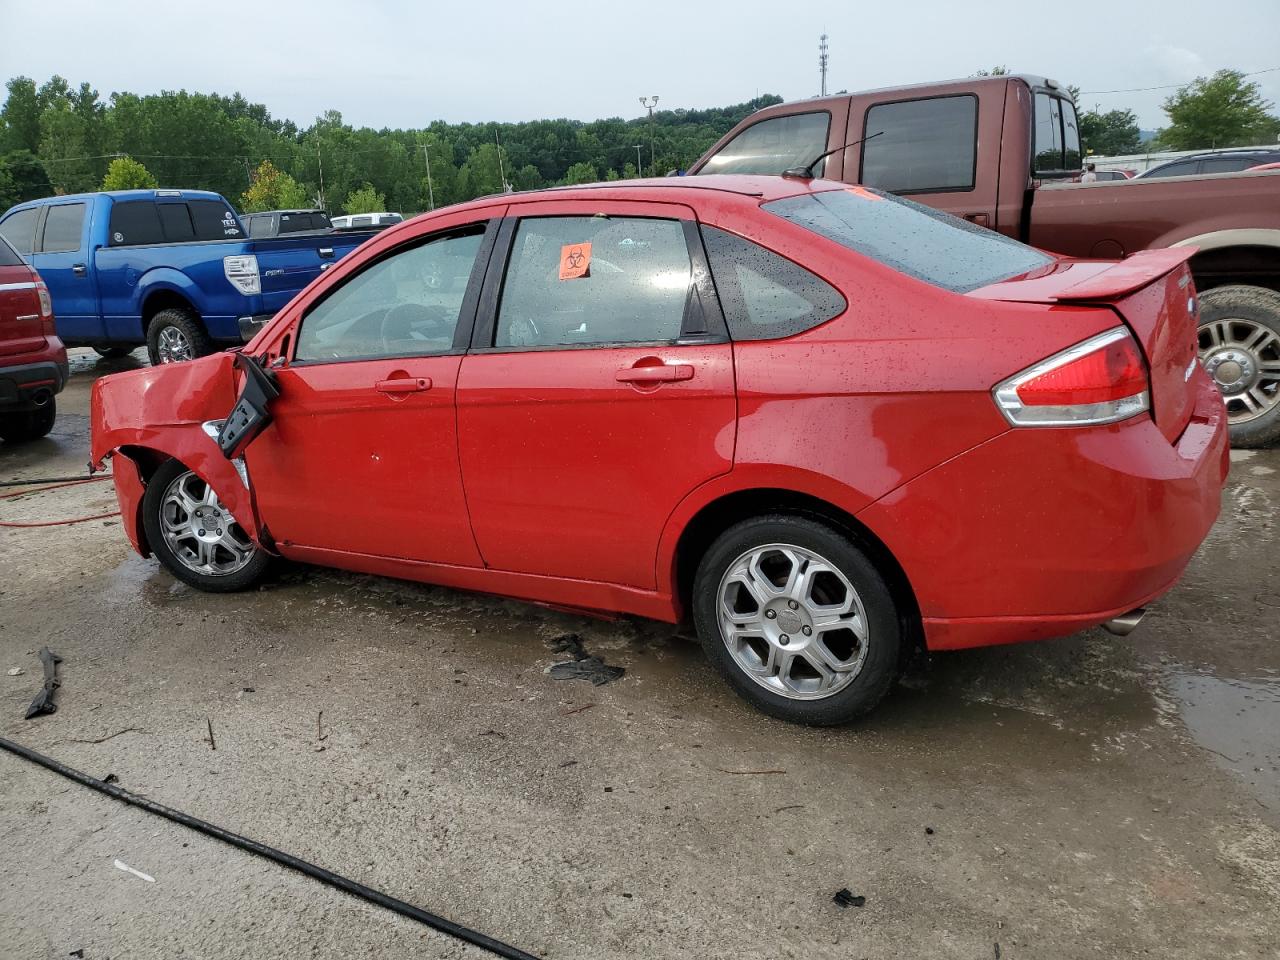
x: 175, y: 335
x: 28, y: 424
x: 112, y: 353
x: 1240, y: 348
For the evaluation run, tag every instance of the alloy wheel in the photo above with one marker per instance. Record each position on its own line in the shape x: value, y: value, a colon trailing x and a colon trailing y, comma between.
x: 199, y: 531
x: 1243, y: 357
x: 792, y: 621
x: 174, y: 346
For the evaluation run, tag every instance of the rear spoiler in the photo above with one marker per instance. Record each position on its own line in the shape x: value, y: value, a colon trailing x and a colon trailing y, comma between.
x: 1128, y: 275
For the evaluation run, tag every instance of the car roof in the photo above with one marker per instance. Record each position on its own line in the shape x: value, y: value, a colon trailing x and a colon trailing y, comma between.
x: 161, y: 193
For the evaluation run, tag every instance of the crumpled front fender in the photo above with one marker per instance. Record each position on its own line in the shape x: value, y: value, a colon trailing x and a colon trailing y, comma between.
x: 163, y: 409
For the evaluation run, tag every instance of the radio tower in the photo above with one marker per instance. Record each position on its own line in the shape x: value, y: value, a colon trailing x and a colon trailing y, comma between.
x: 822, y: 62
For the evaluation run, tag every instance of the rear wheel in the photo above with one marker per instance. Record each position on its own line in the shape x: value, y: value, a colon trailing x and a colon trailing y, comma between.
x: 28, y: 424
x: 195, y: 537
x: 797, y: 619
x: 1240, y: 348
x: 112, y: 353
x: 175, y: 335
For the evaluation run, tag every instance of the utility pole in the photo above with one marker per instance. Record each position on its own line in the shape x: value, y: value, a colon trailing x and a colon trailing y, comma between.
x: 822, y: 62
x: 320, y: 160
x: 502, y: 173
x: 639, y: 162
x: 644, y: 102
x: 431, y: 194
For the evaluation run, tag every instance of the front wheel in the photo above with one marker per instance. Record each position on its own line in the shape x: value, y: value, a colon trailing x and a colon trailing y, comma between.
x: 798, y: 620
x: 195, y: 537
x: 1240, y: 348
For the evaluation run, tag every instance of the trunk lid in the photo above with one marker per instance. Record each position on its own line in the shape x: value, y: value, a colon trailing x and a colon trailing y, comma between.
x: 1153, y: 293
x: 21, y: 328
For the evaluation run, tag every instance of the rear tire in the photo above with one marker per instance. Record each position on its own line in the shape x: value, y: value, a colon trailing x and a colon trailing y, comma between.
x: 216, y: 563
x: 175, y: 335
x: 112, y: 353
x: 1240, y: 348
x: 28, y: 424
x: 797, y: 619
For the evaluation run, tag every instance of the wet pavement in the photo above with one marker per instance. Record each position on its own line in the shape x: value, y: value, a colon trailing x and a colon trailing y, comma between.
x: 1086, y: 797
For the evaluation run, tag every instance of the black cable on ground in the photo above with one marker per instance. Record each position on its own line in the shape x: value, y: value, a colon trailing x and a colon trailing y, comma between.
x: 342, y: 883
x: 35, y: 480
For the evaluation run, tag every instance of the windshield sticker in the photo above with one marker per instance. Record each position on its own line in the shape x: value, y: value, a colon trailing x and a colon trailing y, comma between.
x: 575, y: 261
x: 864, y: 193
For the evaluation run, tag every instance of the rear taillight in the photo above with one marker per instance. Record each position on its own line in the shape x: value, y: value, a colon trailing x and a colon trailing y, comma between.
x: 242, y: 271
x: 1102, y: 380
x: 46, y: 307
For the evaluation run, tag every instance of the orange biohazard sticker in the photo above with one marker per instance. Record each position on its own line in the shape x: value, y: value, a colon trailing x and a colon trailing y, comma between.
x: 864, y: 193
x: 575, y: 260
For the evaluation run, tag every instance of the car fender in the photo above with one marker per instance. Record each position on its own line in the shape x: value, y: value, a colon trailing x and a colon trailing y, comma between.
x: 164, y: 279
x: 163, y: 410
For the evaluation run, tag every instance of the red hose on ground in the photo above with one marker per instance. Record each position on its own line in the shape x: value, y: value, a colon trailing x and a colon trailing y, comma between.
x: 57, y: 523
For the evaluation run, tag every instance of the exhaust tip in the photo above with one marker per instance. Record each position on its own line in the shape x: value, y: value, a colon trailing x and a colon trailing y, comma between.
x: 41, y: 397
x: 1126, y: 623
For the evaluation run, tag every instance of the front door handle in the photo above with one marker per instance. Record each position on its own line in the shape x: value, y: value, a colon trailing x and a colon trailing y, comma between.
x: 659, y: 373
x: 403, y: 385
x: 981, y: 219
x: 78, y: 269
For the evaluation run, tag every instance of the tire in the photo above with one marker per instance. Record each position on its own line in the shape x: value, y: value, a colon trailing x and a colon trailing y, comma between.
x: 112, y: 353
x: 178, y: 553
x: 28, y: 425
x: 175, y: 335
x: 1240, y: 348
x: 862, y: 668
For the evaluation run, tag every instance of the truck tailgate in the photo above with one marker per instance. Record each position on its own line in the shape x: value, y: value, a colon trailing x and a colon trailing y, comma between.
x: 1153, y: 293
x: 287, y: 264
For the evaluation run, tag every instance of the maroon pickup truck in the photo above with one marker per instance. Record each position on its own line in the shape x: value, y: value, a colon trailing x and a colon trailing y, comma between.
x: 1000, y: 152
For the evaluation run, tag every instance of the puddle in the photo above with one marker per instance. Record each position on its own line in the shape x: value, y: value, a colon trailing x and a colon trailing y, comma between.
x: 1237, y: 721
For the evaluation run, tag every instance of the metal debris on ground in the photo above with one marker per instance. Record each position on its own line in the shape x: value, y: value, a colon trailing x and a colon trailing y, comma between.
x: 121, y: 865
x: 43, y: 703
x: 583, y: 666
x: 845, y: 899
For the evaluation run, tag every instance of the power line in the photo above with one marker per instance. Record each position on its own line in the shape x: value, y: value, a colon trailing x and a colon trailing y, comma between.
x: 1167, y: 86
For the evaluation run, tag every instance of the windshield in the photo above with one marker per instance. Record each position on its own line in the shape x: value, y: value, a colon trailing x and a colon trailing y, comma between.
x: 913, y: 239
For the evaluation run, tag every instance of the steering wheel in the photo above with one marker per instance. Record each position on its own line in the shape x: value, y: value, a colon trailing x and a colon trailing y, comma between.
x: 401, y: 322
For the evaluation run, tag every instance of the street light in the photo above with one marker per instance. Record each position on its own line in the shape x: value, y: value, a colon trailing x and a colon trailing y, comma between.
x: 644, y: 102
x: 639, y: 162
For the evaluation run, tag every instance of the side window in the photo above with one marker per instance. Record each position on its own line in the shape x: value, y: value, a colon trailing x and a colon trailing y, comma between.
x: 135, y: 222
x: 1057, y: 135
x: 20, y: 229
x: 594, y: 280
x: 213, y: 220
x: 764, y: 295
x: 404, y: 305
x: 1225, y: 164
x: 175, y: 221
x: 63, y: 226
x: 1183, y: 168
x: 1072, y: 155
x: 774, y: 145
x: 916, y: 146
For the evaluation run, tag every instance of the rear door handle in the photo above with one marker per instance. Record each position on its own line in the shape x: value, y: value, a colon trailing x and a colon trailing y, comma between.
x: 403, y: 385
x: 666, y: 373
x: 326, y: 252
x: 78, y: 269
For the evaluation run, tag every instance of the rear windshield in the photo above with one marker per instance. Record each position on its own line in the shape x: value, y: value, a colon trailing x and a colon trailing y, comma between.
x: 8, y: 257
x: 911, y: 238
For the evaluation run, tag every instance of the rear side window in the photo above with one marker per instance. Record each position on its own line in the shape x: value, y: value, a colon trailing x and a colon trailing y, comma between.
x: 918, y: 146
x: 1182, y: 169
x: 594, y: 280
x: 135, y: 222
x: 774, y: 145
x: 911, y: 238
x: 765, y: 295
x: 63, y: 225
x: 8, y: 256
x: 1226, y: 164
x: 214, y: 220
x: 175, y: 221
x: 1057, y: 135
x: 20, y: 229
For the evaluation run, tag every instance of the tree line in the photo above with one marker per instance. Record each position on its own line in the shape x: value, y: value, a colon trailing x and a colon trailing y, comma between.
x: 59, y: 138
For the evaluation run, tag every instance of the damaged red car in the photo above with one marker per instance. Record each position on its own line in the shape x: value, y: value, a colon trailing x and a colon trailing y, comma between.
x: 829, y: 425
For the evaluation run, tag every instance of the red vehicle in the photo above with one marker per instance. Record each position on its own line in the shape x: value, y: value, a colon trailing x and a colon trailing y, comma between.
x: 827, y: 423
x: 33, y: 361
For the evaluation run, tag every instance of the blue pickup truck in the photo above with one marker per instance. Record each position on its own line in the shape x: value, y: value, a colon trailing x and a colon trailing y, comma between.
x: 173, y: 269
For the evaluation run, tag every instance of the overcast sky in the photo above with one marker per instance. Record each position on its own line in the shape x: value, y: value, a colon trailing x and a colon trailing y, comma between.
x: 401, y: 64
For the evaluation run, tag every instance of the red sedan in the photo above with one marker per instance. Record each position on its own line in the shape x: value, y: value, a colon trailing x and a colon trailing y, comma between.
x: 826, y: 423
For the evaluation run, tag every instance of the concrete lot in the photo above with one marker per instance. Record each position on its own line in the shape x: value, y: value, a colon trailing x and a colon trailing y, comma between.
x: 1089, y: 797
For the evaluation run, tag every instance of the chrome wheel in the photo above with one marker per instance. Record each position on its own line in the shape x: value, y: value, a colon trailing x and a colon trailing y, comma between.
x: 174, y: 346
x: 199, y: 531
x: 1243, y: 357
x: 792, y: 621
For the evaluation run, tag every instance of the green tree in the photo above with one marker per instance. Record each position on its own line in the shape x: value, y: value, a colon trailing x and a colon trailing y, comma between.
x: 999, y: 70
x: 22, y: 178
x: 126, y: 173
x: 581, y: 173
x: 20, y: 118
x: 273, y: 189
x: 365, y: 199
x: 1110, y: 134
x: 1224, y: 110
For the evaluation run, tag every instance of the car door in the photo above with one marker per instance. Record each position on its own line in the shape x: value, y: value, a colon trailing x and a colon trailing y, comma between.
x: 361, y: 456
x: 599, y: 389
x: 65, y: 263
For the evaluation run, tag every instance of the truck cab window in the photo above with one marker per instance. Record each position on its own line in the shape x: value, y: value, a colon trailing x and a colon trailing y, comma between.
x: 135, y: 222
x: 774, y: 145
x: 1057, y: 136
x: 922, y: 146
x: 19, y: 229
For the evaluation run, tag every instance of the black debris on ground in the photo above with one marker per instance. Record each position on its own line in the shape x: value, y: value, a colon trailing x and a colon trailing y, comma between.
x: 846, y: 898
x: 43, y: 703
x: 583, y: 666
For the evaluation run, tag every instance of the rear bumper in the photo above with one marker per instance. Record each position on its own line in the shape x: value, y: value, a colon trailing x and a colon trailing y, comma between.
x: 250, y: 325
x: 1042, y: 533
x: 25, y: 386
